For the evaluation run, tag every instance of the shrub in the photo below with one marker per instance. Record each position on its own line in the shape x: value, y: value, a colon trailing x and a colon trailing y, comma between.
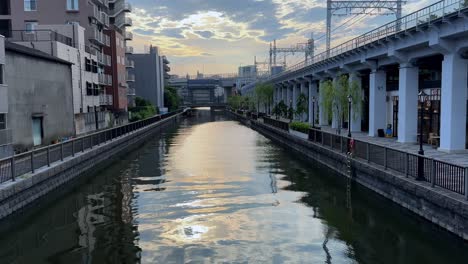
x: 300, y: 126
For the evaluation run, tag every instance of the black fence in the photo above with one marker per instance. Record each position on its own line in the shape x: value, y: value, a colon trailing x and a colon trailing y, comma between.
x: 28, y: 162
x: 438, y: 173
x: 276, y: 123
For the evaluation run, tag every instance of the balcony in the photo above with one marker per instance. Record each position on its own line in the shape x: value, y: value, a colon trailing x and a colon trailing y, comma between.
x: 128, y: 35
x: 119, y: 8
x: 105, y: 99
x: 123, y: 21
x: 104, y: 3
x: 104, y: 18
x: 129, y: 50
x: 129, y: 63
x: 98, y: 37
x: 130, y: 77
x: 6, y: 137
x: 101, y: 58
x: 131, y: 91
x: 3, y: 98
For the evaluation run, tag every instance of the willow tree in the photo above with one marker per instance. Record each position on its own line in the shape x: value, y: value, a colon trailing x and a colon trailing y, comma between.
x: 335, y: 99
x: 264, y: 95
x: 302, y: 106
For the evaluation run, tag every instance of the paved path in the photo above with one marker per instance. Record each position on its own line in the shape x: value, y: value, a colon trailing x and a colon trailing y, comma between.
x: 429, y: 150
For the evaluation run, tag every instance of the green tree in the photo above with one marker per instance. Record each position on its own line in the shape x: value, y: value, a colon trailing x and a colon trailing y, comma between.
x: 335, y: 98
x: 290, y: 111
x: 282, y: 108
x: 172, y: 99
x: 234, y: 101
x: 143, y: 109
x: 264, y: 95
x: 301, y: 106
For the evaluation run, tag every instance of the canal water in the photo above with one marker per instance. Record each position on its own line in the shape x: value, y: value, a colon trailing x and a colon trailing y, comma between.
x: 213, y: 191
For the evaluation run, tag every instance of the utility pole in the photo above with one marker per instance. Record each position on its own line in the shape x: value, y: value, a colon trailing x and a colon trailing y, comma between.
x: 360, y: 7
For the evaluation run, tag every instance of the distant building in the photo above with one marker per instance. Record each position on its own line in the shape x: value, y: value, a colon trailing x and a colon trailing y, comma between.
x: 116, y: 90
x: 167, y: 70
x: 181, y: 85
x: 148, y: 74
x: 249, y: 71
x: 204, y: 91
x: 40, y: 97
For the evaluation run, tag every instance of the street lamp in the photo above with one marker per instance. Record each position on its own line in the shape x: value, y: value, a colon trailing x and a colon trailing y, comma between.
x: 422, y: 98
x: 313, y: 111
x: 350, y: 99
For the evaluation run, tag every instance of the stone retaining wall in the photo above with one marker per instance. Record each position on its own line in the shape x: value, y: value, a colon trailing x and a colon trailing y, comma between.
x: 443, y: 208
x: 30, y: 187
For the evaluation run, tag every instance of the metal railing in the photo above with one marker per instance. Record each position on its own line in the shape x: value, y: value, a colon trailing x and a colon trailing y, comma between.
x: 439, y: 173
x: 421, y: 18
x: 276, y: 123
x: 29, y: 162
x: 105, y: 99
x: 37, y: 36
x: 129, y: 49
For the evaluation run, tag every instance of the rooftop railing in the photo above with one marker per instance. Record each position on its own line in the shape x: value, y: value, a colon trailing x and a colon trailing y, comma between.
x: 37, y: 36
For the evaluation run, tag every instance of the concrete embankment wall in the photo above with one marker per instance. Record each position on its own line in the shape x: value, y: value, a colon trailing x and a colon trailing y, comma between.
x: 28, y: 188
x: 443, y: 208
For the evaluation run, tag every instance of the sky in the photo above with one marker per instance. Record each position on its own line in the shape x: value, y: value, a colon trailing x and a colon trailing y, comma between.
x: 218, y: 36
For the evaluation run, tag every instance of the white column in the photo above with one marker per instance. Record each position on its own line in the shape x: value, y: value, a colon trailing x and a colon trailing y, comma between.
x: 312, y: 93
x: 356, y: 116
x: 323, y: 117
x: 288, y: 94
x: 377, y: 105
x: 295, y: 94
x: 284, y: 93
x: 408, y: 103
x: 303, y: 90
x: 453, y: 103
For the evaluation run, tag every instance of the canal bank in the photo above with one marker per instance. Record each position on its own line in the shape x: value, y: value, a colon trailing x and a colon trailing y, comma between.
x: 68, y: 161
x: 210, y: 190
x: 441, y: 207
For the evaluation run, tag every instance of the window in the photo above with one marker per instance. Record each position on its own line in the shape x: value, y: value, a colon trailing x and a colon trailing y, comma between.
x: 72, y: 5
x: 96, y: 89
x: 2, y: 121
x: 88, y: 65
x: 30, y: 25
x: 2, y: 74
x: 89, y: 89
x: 95, y: 67
x: 30, y: 5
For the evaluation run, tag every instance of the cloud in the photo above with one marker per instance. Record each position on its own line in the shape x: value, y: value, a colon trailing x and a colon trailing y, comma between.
x: 173, y: 33
x: 237, y: 30
x: 204, y: 34
x: 140, y: 31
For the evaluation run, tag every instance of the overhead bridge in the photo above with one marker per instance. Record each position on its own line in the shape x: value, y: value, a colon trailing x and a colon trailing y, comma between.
x: 423, y: 51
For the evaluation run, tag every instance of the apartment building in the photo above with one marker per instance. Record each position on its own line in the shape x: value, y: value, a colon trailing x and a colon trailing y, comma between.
x: 116, y: 91
x: 6, y: 148
x: 98, y: 18
x: 148, y: 74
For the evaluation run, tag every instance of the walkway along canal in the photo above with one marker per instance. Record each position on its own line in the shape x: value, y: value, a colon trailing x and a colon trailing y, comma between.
x: 210, y: 190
